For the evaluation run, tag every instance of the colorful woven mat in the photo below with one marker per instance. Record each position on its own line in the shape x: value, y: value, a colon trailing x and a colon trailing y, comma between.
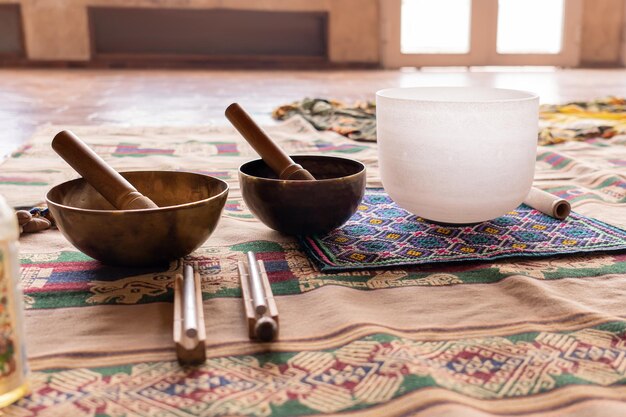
x: 603, y: 118
x: 526, y: 337
x: 381, y: 234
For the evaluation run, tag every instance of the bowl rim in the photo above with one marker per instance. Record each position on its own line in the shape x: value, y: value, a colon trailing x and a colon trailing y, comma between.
x: 362, y: 169
x: 387, y: 93
x: 50, y: 202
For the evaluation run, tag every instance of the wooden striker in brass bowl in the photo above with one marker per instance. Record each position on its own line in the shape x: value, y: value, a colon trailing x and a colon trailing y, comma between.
x: 190, y: 206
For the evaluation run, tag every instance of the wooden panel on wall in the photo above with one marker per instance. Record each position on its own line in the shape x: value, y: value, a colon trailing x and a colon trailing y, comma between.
x: 144, y: 32
x: 11, y: 30
x: 602, y: 28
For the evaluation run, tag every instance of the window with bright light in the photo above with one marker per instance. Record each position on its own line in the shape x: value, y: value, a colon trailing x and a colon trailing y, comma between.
x: 435, y: 27
x: 530, y: 26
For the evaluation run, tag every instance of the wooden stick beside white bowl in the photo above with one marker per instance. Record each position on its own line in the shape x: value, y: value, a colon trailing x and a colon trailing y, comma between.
x: 548, y: 203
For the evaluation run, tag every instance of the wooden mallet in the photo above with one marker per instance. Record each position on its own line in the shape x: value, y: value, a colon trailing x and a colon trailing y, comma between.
x: 108, y: 182
x: 272, y: 154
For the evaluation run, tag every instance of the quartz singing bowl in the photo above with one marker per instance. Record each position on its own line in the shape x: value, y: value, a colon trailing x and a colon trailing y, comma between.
x: 189, y: 209
x: 457, y: 154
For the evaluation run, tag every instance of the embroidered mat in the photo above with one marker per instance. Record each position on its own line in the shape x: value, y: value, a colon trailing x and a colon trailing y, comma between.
x: 381, y: 234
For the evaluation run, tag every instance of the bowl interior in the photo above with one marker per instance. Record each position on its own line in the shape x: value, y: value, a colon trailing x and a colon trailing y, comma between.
x: 165, y: 188
x: 322, y: 167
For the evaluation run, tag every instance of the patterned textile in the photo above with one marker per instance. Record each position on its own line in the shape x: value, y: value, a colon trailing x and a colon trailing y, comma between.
x: 357, y: 121
x: 509, y: 337
x: 603, y: 118
x: 382, y: 234
x: 70, y: 279
x: 367, y: 372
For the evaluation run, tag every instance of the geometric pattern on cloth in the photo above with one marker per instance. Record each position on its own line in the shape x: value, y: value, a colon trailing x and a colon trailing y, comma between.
x: 358, y: 375
x: 80, y: 378
x: 382, y: 234
x: 71, y: 279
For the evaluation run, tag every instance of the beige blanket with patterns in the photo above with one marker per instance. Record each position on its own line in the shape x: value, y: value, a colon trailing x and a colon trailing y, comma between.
x: 521, y: 337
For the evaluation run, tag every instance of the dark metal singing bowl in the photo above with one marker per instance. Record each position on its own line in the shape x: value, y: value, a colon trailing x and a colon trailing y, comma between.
x: 190, y: 206
x: 304, y: 207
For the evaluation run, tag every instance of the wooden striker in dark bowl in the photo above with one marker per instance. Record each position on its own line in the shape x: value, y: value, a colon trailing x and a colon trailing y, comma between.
x: 304, y: 207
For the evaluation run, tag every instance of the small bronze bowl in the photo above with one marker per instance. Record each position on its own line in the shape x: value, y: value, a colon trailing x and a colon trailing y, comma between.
x: 190, y: 206
x: 304, y: 207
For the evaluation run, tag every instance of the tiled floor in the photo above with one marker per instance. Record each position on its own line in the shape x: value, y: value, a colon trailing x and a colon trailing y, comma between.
x: 31, y: 97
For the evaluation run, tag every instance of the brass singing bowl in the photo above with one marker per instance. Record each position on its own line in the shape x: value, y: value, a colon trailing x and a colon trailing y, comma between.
x: 304, y: 207
x: 190, y: 206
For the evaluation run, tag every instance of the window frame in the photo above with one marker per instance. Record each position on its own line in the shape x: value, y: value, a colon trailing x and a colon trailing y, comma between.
x: 483, y: 37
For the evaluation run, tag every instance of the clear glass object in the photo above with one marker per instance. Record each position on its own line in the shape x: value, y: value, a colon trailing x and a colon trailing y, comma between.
x: 457, y: 154
x: 435, y: 27
x: 13, y: 367
x: 530, y: 26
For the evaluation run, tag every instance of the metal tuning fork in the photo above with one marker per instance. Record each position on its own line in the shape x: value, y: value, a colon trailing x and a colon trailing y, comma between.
x: 259, y: 304
x: 189, y: 330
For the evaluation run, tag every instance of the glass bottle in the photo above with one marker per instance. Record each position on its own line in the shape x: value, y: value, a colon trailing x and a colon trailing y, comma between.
x: 13, y: 366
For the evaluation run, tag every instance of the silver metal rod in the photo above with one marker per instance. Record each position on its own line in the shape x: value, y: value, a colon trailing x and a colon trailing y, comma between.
x: 190, y: 307
x: 256, y: 286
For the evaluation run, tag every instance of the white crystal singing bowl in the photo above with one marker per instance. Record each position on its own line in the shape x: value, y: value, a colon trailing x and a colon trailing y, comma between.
x: 457, y: 154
